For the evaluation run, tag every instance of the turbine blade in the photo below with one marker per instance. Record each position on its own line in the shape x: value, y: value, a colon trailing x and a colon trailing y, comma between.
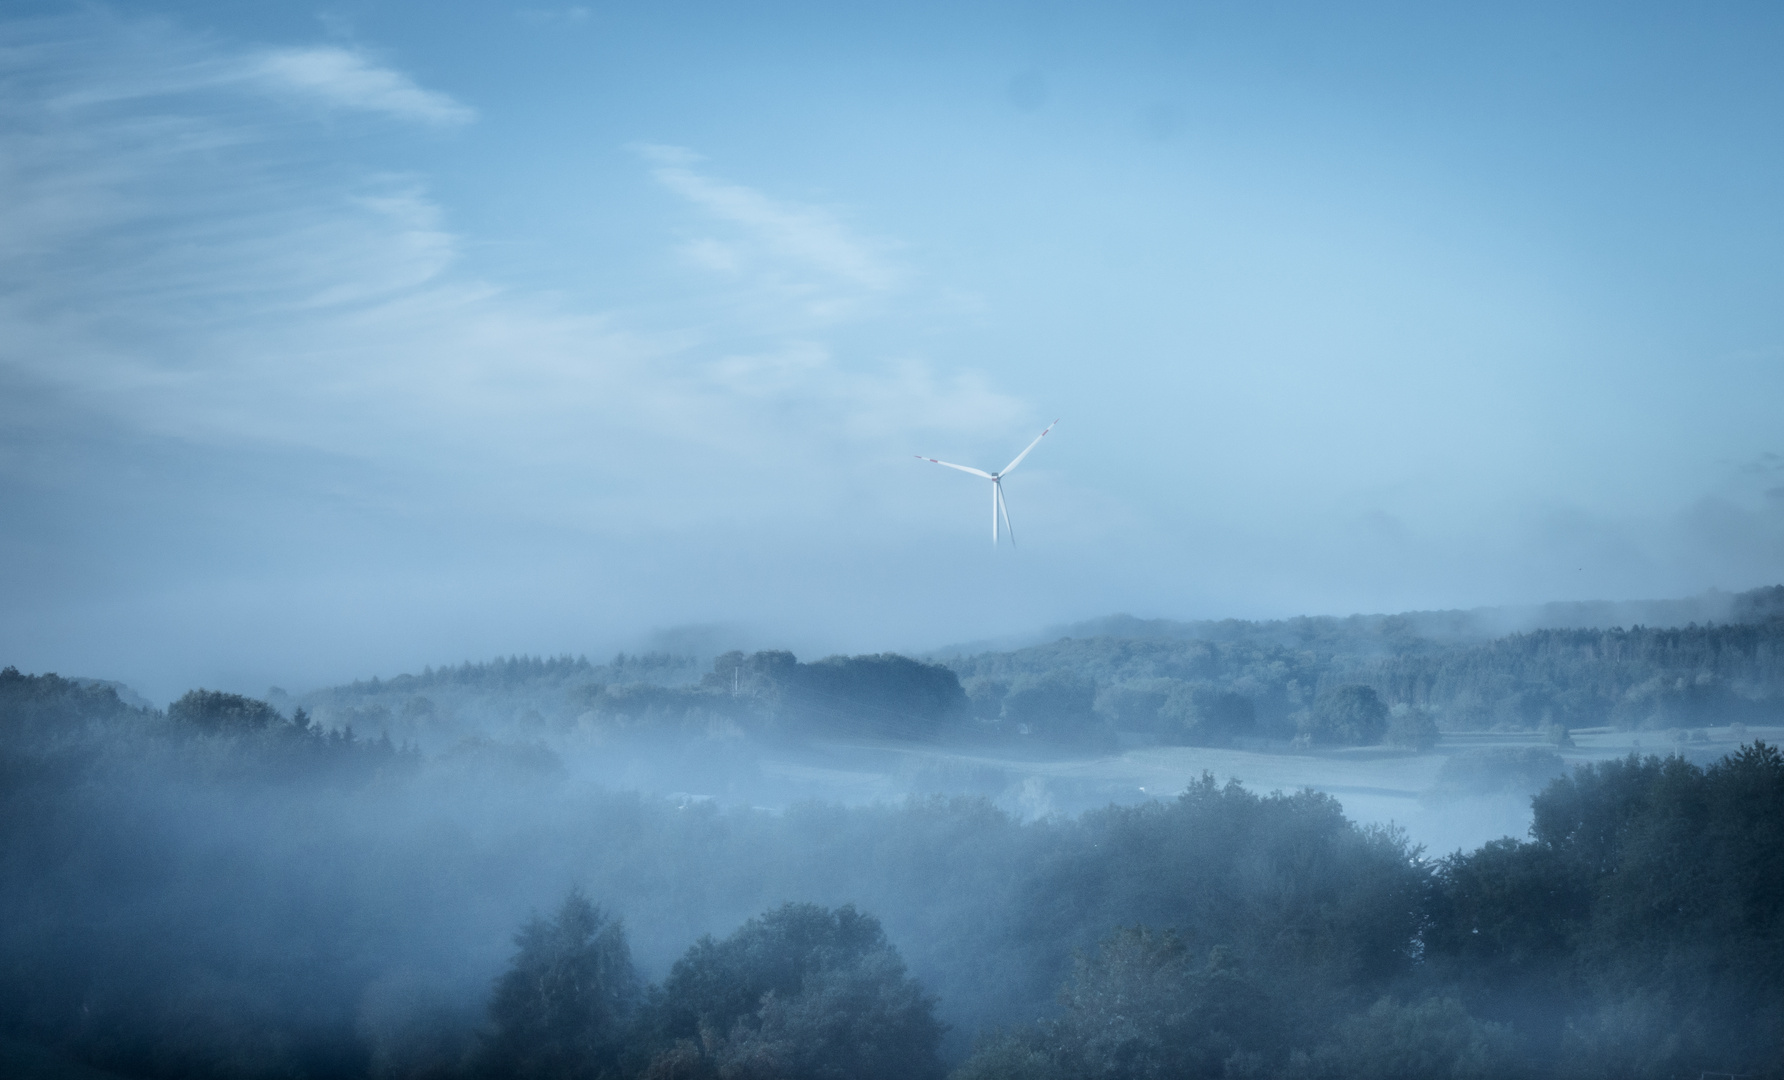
x: 994, y: 487
x: 951, y: 465
x: 1004, y: 504
x: 1024, y: 453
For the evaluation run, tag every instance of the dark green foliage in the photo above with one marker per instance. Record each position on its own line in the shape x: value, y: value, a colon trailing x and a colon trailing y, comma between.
x: 1441, y: 662
x: 1199, y: 684
x: 1179, y: 712
x: 1652, y: 889
x: 523, y: 695
x: 763, y: 675
x: 885, y: 694
x: 799, y: 993
x: 1349, y: 715
x: 38, y: 712
x: 1133, y: 679
x: 1196, y: 684
x: 1013, y: 1055
x: 561, y: 1009
x: 643, y: 708
x: 519, y: 672
x: 1758, y: 605
x: 1283, y: 881
x: 241, y: 737
x: 1144, y: 1006
x: 985, y: 698
x: 217, y: 713
x: 1133, y: 706
x: 1199, y: 716
x: 138, y: 929
x: 1411, y: 727
x: 1433, y: 1039
x: 1642, y: 677
x: 1640, y: 933
x: 248, y: 740
x: 1506, y: 913
x: 651, y: 699
x: 1057, y: 708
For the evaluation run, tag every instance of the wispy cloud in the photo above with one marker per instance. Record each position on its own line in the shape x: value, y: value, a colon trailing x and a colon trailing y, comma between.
x: 347, y: 79
x: 186, y: 273
x: 802, y: 247
x: 100, y: 59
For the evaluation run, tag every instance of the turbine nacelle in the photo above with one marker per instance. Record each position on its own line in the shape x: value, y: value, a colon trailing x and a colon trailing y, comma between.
x: 998, y: 507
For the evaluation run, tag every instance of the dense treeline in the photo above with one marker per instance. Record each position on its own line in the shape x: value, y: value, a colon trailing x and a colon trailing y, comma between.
x: 1361, y: 637
x: 221, y: 891
x: 111, y: 821
x: 762, y: 694
x: 1640, y: 930
x: 1639, y: 933
x: 1276, y: 680
x: 1315, y: 681
x: 1644, y: 678
x: 518, y: 694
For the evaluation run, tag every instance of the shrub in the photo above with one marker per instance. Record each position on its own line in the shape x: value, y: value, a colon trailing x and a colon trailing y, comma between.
x: 1350, y: 715
x: 1411, y: 727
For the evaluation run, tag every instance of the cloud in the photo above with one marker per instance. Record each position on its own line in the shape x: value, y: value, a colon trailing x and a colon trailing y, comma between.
x: 807, y: 236
x: 347, y: 79
x: 188, y: 270
x: 96, y: 59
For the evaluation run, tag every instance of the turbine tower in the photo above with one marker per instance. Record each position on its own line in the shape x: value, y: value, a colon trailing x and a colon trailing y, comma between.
x: 996, y: 478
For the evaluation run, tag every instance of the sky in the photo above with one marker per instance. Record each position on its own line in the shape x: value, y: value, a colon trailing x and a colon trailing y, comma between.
x: 340, y: 340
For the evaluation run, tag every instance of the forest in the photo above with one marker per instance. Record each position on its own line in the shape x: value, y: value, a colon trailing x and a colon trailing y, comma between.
x: 1208, y: 682
x: 230, y: 889
x: 1398, y: 679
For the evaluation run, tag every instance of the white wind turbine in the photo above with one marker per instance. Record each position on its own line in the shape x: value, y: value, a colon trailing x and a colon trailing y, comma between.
x: 996, y: 478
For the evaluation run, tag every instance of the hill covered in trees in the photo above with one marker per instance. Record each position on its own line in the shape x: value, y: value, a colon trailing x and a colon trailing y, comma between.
x: 1636, y: 678
x: 1319, y: 681
x: 764, y: 694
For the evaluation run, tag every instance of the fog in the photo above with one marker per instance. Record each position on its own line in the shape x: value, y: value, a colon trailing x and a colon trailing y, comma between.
x: 374, y: 878
x: 470, y: 606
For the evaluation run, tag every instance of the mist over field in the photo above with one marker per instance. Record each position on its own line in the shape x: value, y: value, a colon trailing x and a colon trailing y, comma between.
x: 495, y: 578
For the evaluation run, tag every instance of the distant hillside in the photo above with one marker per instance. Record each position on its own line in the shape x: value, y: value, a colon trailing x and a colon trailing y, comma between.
x: 1709, y: 660
x: 1452, y: 669
x: 513, y: 696
x: 768, y: 693
x: 1397, y: 634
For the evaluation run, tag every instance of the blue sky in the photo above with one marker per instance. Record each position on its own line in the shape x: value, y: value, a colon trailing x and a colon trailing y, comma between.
x: 339, y: 340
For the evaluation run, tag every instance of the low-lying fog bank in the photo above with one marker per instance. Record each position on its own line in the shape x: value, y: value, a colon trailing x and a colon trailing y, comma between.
x: 1371, y: 709
x: 1281, y: 861
x: 221, y: 891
